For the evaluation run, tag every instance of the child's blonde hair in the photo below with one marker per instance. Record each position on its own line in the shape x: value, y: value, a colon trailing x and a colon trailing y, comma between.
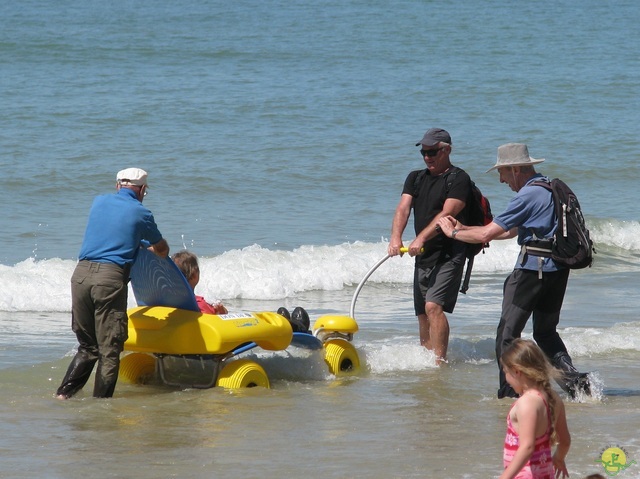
x: 525, y: 356
x: 187, y: 262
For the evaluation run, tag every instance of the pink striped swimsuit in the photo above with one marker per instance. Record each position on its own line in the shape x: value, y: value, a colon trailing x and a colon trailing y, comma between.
x: 540, y: 465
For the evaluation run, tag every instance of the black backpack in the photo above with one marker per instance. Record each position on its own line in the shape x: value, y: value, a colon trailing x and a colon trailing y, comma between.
x: 571, y: 245
x: 478, y: 214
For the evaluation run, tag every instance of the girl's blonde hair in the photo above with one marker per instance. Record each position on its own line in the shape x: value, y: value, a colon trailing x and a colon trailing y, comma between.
x: 525, y: 356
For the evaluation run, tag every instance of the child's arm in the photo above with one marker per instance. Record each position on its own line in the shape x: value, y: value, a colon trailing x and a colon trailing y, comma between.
x: 210, y: 308
x: 564, y: 438
x: 219, y: 307
x: 527, y: 411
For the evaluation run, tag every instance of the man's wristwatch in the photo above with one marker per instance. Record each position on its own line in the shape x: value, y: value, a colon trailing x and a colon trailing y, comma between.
x: 454, y: 233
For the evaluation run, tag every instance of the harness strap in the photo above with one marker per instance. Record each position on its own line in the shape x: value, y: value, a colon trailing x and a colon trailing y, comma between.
x: 539, y: 251
x: 467, y: 276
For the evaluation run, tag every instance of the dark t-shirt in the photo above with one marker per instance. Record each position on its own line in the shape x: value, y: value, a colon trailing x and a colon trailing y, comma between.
x: 428, y: 200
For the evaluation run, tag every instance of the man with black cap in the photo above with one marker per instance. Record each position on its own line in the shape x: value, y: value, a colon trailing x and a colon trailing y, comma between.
x: 439, y: 190
x: 117, y: 224
x: 537, y: 284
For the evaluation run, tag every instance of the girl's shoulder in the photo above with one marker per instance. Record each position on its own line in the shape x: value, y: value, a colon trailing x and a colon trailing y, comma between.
x: 532, y: 399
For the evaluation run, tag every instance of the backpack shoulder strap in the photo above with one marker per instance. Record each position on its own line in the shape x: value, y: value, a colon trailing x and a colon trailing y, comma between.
x: 544, y: 183
x: 451, y: 176
x: 418, y: 181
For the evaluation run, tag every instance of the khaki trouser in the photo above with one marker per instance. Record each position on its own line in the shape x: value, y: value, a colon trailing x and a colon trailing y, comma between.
x: 99, y: 319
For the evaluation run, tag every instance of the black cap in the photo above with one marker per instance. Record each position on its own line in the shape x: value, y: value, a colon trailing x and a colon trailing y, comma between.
x: 433, y: 136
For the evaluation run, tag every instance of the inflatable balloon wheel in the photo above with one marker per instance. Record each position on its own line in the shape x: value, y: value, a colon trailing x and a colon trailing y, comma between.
x: 242, y: 373
x: 341, y: 357
x: 137, y: 368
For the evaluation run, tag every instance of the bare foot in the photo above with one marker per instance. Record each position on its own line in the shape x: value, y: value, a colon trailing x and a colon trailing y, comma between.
x: 440, y: 361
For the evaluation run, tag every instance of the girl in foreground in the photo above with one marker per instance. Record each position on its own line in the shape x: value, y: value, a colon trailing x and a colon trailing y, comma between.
x: 537, y: 420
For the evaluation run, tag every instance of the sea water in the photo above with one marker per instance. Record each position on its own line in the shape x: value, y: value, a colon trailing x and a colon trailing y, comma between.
x: 277, y: 136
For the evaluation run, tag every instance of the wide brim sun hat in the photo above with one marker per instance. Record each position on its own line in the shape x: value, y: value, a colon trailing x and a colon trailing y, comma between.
x: 514, y: 154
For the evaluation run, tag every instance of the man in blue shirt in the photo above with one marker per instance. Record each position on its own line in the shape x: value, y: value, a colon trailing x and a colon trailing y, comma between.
x: 537, y: 284
x: 116, y: 226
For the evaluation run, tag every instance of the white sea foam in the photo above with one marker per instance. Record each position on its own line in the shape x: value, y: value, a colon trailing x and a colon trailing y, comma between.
x: 260, y: 273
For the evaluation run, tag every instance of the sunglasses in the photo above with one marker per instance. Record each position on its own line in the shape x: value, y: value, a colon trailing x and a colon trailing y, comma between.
x: 430, y: 153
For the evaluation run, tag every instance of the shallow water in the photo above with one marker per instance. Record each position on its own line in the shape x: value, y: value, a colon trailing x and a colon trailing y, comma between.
x: 399, y: 417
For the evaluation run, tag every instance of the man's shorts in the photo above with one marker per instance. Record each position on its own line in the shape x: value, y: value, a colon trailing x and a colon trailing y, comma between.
x: 438, y: 284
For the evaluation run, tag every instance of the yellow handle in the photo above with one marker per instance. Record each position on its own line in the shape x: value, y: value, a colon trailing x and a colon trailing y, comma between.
x: 404, y: 249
